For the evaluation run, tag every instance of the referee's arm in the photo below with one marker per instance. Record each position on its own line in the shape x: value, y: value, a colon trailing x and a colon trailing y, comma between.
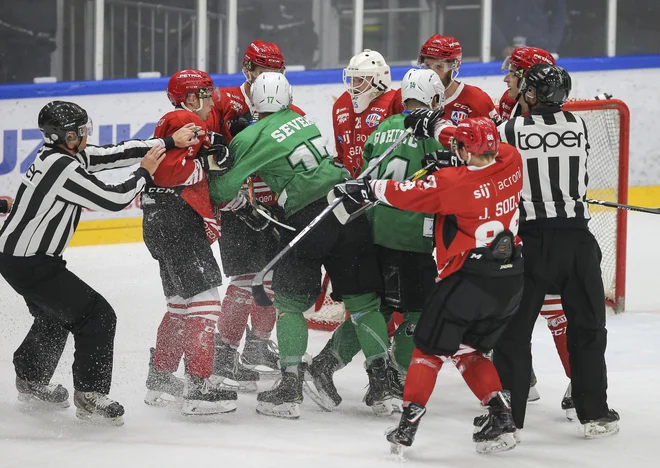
x: 124, y: 154
x: 84, y: 189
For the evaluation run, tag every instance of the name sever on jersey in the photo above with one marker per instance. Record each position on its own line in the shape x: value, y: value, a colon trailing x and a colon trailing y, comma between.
x: 555, y: 147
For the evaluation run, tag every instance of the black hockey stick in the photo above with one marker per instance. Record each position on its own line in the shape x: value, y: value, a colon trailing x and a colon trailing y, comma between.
x: 620, y: 206
x: 258, y: 291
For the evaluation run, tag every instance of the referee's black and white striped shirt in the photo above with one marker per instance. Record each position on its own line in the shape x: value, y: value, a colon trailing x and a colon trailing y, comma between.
x: 554, y: 147
x: 58, y: 185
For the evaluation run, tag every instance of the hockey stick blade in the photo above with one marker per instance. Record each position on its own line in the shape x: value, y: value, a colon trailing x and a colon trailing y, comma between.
x: 621, y: 206
x: 258, y: 290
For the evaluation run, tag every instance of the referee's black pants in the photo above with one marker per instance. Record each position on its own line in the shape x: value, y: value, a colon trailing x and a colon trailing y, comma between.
x: 569, y: 260
x: 61, y: 303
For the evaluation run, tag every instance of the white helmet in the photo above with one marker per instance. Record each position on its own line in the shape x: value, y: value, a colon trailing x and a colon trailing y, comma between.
x: 271, y: 92
x: 370, y: 66
x: 423, y: 86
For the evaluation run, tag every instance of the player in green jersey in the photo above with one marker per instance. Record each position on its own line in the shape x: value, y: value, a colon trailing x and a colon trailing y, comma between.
x: 404, y: 242
x: 287, y: 151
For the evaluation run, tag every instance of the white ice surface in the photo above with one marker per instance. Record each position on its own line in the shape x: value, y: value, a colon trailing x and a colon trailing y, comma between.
x: 350, y: 436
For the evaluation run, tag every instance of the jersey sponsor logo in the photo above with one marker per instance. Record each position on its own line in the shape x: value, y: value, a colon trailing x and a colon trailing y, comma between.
x: 372, y: 120
x: 341, y: 109
x: 340, y: 139
x: 342, y: 118
x: 482, y: 191
x: 550, y: 140
x: 378, y: 109
x: 509, y: 181
x: 457, y: 116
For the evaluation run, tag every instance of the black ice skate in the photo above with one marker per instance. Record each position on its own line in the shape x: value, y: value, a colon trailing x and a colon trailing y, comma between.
x: 404, y: 434
x: 40, y: 396
x: 284, y: 399
x: 604, y: 426
x: 97, y: 408
x: 533, y: 394
x: 259, y: 354
x: 203, y: 398
x: 323, y: 391
x: 228, y: 371
x: 163, y: 388
x: 379, y: 394
x: 494, y: 432
x: 396, y: 387
x: 567, y: 404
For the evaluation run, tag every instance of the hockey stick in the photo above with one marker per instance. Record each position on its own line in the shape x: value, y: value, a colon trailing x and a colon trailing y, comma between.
x: 620, y: 206
x: 256, y: 204
x: 258, y: 292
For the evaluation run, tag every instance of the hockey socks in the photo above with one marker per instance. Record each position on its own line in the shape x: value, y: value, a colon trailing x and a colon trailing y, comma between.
x: 369, y: 324
x: 169, y: 343
x: 553, y: 312
x: 292, y: 333
x: 403, y: 344
x: 235, y: 312
x: 199, y: 346
x: 479, y: 374
x: 421, y: 377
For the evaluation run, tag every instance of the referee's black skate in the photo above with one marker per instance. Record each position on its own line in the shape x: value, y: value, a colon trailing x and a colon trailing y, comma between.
x: 533, y: 394
x: 163, y: 388
x: 494, y: 432
x: 284, y: 399
x: 42, y: 396
x: 201, y: 397
x: 323, y: 393
x: 259, y: 353
x: 404, y: 434
x: 97, y: 408
x: 567, y: 404
x: 379, y: 394
x: 229, y: 372
x: 604, y: 426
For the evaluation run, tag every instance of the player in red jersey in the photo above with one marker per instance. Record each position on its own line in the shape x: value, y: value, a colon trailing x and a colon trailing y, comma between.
x: 244, y: 250
x: 179, y: 228
x: 480, y: 281
x: 513, y: 104
x: 366, y: 103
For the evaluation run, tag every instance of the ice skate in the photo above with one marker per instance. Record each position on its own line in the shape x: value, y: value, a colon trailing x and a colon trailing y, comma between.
x: 494, y: 432
x: 379, y: 395
x: 40, y: 396
x: 261, y: 355
x: 318, y: 384
x: 284, y: 399
x: 533, y: 394
x: 605, y: 426
x: 97, y: 408
x: 396, y: 388
x: 163, y: 388
x: 228, y: 371
x: 404, y: 434
x: 567, y: 404
x: 202, y: 398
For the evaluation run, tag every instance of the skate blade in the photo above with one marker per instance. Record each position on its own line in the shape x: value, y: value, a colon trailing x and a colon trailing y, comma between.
x: 37, y: 404
x: 322, y: 400
x: 597, y: 430
x: 283, y: 410
x: 97, y: 419
x: 265, y: 373
x: 236, y: 386
x: 397, y: 451
x: 207, y: 408
x: 533, y: 394
x: 571, y: 414
x: 161, y: 399
x: 503, y: 443
x: 382, y: 408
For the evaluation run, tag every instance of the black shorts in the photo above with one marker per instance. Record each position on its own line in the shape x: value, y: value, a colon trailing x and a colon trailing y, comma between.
x: 242, y: 249
x: 408, y: 278
x: 346, y: 251
x: 470, y: 309
x: 175, y: 236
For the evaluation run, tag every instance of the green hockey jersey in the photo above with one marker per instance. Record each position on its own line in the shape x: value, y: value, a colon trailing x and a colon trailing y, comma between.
x: 288, y: 152
x: 393, y: 228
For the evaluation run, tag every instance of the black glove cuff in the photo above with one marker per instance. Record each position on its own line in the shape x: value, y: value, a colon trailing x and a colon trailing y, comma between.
x: 141, y: 172
x: 169, y: 143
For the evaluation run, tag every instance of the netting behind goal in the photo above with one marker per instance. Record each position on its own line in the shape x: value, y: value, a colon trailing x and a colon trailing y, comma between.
x: 608, y: 126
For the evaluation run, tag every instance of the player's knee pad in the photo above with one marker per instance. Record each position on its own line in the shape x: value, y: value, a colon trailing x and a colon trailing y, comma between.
x: 205, y: 304
x: 403, y: 346
x: 292, y: 303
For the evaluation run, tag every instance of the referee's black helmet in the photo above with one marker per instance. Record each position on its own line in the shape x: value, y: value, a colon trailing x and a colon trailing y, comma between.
x: 58, y: 118
x: 551, y: 83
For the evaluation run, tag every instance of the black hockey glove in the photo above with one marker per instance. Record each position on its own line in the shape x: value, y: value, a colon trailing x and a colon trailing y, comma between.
x: 358, y: 191
x: 217, y: 139
x: 240, y: 124
x: 440, y: 159
x: 423, y: 122
x: 216, y: 159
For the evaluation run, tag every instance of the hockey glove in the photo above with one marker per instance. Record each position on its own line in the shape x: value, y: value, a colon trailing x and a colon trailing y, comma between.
x: 216, y: 159
x: 240, y: 124
x: 217, y: 139
x: 423, y: 122
x: 358, y: 191
x: 440, y: 159
x: 240, y: 201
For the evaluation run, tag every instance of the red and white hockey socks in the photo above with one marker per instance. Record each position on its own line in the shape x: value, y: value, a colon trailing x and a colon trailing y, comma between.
x: 421, y: 377
x: 553, y: 312
x: 478, y: 372
x: 169, y: 342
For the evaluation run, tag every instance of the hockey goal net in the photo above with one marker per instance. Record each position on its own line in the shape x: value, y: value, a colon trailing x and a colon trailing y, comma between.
x: 608, y: 125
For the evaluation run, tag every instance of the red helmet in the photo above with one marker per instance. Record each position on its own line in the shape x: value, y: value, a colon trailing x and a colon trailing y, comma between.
x: 441, y: 47
x: 263, y: 54
x: 477, y: 135
x: 524, y: 57
x: 185, y: 82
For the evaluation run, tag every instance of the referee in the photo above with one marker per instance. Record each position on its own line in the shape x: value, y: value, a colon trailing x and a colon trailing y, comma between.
x: 559, y: 250
x: 43, y: 218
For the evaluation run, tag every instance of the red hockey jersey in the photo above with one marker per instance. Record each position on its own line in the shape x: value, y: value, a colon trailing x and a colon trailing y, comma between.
x: 180, y: 167
x: 468, y: 102
x: 472, y: 205
x: 352, y: 130
x: 507, y: 106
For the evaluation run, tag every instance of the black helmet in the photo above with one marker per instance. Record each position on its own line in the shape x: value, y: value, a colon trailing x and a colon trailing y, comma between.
x: 551, y: 82
x: 58, y: 118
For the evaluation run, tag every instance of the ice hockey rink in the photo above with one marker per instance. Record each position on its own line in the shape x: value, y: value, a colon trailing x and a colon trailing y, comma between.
x: 348, y: 437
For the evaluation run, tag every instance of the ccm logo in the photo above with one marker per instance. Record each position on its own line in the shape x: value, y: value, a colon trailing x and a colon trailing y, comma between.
x: 531, y: 141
